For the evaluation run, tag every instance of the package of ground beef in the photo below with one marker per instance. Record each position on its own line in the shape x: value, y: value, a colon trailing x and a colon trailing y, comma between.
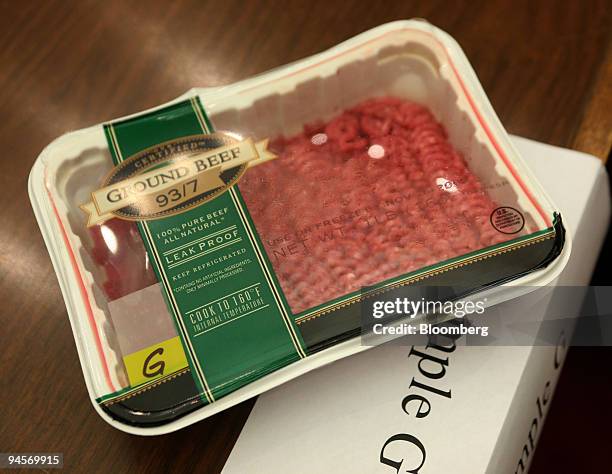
x: 219, y: 245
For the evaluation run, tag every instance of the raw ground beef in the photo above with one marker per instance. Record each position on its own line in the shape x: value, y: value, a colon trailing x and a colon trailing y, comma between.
x: 375, y: 193
x: 118, y: 249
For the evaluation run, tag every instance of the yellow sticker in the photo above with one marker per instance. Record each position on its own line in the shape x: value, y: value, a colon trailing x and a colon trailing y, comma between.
x: 155, y: 361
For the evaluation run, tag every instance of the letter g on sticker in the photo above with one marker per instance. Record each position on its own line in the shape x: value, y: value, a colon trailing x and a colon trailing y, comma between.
x: 154, y: 369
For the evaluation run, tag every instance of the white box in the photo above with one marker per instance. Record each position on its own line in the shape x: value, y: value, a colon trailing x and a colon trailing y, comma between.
x: 484, y: 414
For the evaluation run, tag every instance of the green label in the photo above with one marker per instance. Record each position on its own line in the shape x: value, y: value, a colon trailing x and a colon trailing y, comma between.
x: 230, y: 312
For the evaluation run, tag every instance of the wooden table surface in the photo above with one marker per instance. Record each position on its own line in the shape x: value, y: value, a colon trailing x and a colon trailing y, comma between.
x: 546, y: 66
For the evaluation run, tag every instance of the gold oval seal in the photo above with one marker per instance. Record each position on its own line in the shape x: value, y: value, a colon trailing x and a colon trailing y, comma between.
x: 174, y: 176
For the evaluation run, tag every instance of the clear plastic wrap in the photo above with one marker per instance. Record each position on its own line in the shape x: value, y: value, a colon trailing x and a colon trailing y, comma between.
x: 390, y: 168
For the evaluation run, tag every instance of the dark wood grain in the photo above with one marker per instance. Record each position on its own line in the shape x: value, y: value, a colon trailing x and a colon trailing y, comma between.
x: 66, y: 65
